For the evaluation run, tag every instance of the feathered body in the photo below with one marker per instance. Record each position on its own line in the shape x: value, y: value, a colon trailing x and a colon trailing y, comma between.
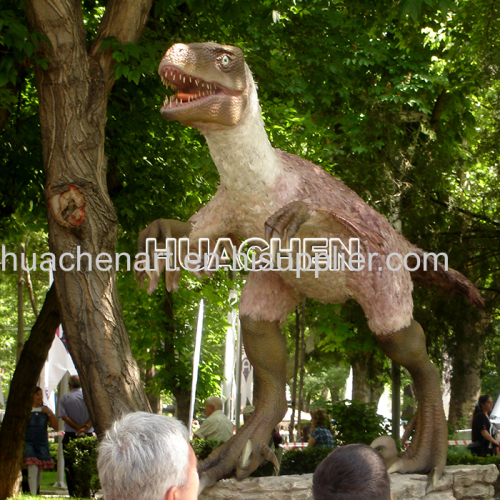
x: 257, y: 180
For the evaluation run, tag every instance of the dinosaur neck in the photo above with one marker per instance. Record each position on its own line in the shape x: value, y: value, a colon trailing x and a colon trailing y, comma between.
x: 244, y: 157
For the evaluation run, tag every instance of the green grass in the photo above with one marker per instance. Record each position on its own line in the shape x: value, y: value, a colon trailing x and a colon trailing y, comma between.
x: 49, y: 478
x: 29, y: 497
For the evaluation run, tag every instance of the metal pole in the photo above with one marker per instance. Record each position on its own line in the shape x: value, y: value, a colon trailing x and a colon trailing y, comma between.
x: 238, y: 377
x: 63, y: 389
x: 196, y: 364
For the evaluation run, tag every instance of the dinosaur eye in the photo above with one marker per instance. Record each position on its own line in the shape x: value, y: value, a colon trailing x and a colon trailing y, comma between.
x: 225, y: 60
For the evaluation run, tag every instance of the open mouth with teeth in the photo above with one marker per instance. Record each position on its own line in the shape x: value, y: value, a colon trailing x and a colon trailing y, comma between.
x: 187, y: 89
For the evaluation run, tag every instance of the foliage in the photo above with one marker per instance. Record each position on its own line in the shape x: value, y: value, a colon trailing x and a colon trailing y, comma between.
x: 53, y: 447
x: 460, y: 455
x: 83, y: 453
x: 203, y: 447
x: 356, y: 422
x: 303, y: 461
x: 362, y: 98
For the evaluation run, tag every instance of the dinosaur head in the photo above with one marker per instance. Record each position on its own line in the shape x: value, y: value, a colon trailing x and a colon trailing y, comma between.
x: 209, y: 82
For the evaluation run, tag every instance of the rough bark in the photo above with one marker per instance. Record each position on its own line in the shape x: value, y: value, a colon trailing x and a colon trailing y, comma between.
x: 467, y: 357
x: 23, y: 383
x: 73, y: 94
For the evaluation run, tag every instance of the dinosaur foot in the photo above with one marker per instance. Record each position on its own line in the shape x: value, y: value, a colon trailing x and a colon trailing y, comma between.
x: 242, y: 454
x: 428, y: 447
x: 427, y: 450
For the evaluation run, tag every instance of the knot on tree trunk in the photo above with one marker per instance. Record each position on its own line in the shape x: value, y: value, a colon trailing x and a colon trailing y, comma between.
x: 68, y: 208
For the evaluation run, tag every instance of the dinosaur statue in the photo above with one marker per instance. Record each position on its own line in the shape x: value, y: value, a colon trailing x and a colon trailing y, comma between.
x: 268, y: 193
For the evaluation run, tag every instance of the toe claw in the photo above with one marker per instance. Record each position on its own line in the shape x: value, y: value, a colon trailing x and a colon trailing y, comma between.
x: 396, y: 466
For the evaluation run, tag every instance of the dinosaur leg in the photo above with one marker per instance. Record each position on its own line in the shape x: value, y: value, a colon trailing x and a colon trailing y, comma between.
x: 427, y: 452
x: 265, y: 347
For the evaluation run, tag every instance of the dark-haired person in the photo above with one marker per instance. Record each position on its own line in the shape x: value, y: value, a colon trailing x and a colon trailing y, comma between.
x: 36, y: 447
x: 355, y: 471
x: 481, y: 425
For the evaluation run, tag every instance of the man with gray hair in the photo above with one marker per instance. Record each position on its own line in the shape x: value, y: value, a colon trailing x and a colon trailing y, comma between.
x: 217, y: 426
x: 145, y: 456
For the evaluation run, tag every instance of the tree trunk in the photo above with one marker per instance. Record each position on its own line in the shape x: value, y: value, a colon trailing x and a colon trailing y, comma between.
x: 291, y: 427
x: 467, y: 358
x: 23, y: 383
x: 153, y: 399
x: 366, y: 385
x: 302, y: 363
x: 73, y: 93
x: 396, y: 400
x: 182, y: 399
x: 20, y: 303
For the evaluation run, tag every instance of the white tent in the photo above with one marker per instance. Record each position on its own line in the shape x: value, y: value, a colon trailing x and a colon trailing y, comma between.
x: 58, y: 363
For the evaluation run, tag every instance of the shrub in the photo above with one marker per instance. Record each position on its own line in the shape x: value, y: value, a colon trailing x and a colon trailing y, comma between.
x: 357, y: 422
x: 203, y: 447
x: 83, y: 453
x: 460, y: 455
x: 303, y: 460
x: 53, y: 453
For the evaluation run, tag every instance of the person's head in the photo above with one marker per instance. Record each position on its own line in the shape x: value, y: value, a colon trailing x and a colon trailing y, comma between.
x: 37, y: 397
x: 146, y: 456
x: 355, y: 471
x: 74, y: 382
x: 319, y: 418
x: 485, y: 403
x: 306, y: 431
x: 212, y: 404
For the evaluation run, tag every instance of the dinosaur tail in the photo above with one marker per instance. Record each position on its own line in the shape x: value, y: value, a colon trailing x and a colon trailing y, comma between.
x: 432, y: 273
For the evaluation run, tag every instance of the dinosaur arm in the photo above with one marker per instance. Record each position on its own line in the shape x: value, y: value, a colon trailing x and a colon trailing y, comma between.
x: 297, y: 216
x: 159, y: 230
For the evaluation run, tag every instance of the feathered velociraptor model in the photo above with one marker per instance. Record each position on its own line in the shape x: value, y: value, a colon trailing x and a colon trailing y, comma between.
x: 267, y: 193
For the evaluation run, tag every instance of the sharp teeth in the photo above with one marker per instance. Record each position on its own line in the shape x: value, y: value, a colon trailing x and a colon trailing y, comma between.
x: 184, y: 79
x: 196, y: 81
x: 189, y: 79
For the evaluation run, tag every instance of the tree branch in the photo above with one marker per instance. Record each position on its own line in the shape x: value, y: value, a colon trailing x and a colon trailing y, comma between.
x: 27, y: 371
x: 123, y: 20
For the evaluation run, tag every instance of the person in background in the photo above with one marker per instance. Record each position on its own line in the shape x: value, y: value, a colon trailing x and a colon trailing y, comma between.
x: 306, y: 433
x: 355, y: 471
x: 321, y: 434
x: 73, y: 411
x: 145, y: 456
x: 216, y: 426
x: 485, y: 443
x: 36, y: 447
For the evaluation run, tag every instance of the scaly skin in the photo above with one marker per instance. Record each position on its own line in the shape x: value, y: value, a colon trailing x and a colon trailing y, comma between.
x: 427, y: 452
x: 265, y: 347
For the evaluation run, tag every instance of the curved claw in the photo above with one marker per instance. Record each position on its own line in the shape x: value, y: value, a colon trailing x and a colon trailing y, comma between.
x: 287, y: 220
x: 151, y: 267
x: 428, y: 447
x: 260, y: 452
